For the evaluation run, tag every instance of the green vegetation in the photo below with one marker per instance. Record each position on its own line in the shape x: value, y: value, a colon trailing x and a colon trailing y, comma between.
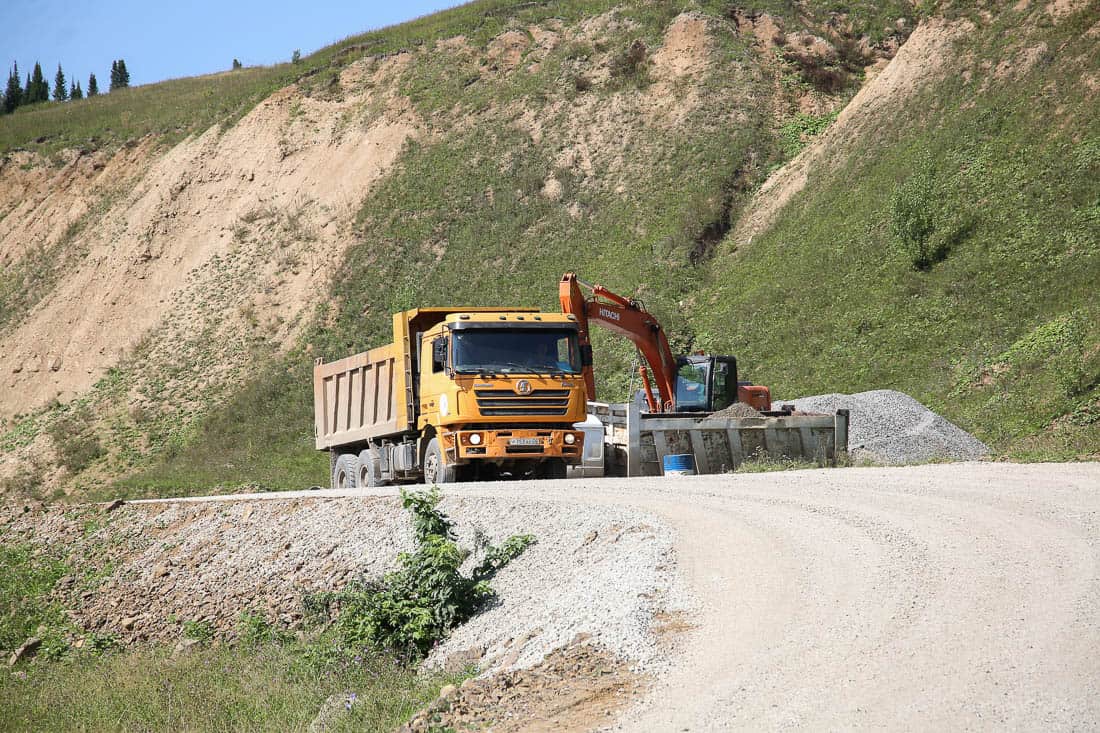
x: 27, y: 577
x: 265, y: 687
x: 795, y: 134
x: 261, y: 437
x: 414, y: 607
x: 74, y: 437
x: 360, y: 646
x: 997, y: 329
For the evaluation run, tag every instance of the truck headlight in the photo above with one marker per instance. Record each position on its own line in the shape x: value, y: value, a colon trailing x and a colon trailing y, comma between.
x: 570, y: 439
x: 475, y: 439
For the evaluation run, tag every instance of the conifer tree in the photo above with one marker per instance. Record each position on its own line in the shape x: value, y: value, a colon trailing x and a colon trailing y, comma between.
x: 93, y: 86
x: 75, y: 92
x: 13, y: 94
x: 39, y: 90
x: 60, y: 91
x: 120, y: 77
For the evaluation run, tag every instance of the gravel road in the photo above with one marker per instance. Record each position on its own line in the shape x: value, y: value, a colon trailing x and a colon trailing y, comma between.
x: 960, y: 596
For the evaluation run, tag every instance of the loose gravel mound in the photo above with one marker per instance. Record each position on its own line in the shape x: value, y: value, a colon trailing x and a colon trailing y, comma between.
x: 893, y: 428
x: 737, y: 409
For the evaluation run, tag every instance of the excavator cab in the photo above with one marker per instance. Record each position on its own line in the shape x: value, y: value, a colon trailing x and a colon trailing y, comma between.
x: 705, y: 383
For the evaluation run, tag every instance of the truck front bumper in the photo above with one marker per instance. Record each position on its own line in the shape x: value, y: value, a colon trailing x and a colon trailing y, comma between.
x: 514, y: 444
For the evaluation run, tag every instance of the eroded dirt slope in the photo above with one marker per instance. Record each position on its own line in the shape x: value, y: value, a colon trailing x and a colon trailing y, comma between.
x: 233, y: 225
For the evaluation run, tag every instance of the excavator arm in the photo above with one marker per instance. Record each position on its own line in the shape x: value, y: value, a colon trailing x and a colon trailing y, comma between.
x: 626, y: 317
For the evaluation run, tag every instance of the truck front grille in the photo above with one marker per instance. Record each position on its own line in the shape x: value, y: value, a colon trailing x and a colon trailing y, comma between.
x: 507, y: 402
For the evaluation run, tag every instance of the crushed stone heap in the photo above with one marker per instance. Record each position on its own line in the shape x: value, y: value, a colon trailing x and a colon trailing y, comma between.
x: 891, y: 427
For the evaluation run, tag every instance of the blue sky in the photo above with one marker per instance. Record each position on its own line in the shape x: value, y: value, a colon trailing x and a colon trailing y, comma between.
x: 164, y: 40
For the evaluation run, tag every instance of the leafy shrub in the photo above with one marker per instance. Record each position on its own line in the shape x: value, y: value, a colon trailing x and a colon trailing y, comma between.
x: 415, y: 606
x: 913, y: 219
x: 255, y: 629
x: 794, y: 134
x: 198, y: 630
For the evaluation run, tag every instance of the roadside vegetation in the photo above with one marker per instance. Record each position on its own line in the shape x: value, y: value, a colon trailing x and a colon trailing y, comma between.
x: 356, y: 657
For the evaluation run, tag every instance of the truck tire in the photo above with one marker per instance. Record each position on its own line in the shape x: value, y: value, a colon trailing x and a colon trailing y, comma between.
x: 346, y: 471
x: 435, y: 471
x: 551, y: 468
x: 370, y: 474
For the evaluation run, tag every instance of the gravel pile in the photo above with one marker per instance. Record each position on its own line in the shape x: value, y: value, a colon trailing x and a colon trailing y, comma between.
x: 602, y: 571
x: 737, y: 409
x: 891, y: 427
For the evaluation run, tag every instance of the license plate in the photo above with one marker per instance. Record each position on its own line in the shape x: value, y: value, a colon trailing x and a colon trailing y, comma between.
x: 524, y: 441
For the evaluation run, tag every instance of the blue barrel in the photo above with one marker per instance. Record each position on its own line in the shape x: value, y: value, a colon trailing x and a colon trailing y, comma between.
x: 680, y: 464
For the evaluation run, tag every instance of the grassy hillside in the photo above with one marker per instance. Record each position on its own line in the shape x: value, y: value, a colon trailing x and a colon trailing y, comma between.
x: 580, y: 158
x: 1002, y: 334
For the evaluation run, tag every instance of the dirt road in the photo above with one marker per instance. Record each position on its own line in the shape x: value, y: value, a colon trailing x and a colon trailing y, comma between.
x: 961, y: 596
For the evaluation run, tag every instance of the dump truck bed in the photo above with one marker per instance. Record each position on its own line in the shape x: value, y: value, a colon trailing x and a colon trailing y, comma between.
x: 360, y: 397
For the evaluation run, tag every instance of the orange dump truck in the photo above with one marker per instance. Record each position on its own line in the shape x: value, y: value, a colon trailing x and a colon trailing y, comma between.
x: 460, y: 394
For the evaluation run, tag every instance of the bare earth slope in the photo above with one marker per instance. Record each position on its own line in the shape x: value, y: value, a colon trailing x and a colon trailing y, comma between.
x: 249, y: 220
x: 930, y: 597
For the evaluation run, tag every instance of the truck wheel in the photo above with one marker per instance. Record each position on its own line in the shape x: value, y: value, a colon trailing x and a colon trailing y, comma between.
x: 551, y: 468
x: 346, y: 471
x: 435, y: 471
x: 369, y: 474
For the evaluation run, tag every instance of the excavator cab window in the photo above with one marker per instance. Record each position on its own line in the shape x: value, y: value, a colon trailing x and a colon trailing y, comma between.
x: 691, y: 386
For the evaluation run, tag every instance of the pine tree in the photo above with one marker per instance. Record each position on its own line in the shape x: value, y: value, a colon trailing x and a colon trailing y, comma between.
x: 123, y: 74
x: 236, y: 64
x: 93, y: 86
x: 60, y: 91
x: 13, y: 95
x: 75, y: 92
x: 114, y: 76
x: 38, y: 89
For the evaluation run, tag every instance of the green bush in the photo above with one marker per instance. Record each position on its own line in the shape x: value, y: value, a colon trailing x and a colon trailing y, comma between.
x: 255, y: 629
x: 415, y: 606
x: 198, y: 630
x: 913, y: 218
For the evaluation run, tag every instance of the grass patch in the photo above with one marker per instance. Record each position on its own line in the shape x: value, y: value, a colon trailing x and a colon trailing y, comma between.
x: 261, y: 438
x: 270, y: 687
x: 27, y: 577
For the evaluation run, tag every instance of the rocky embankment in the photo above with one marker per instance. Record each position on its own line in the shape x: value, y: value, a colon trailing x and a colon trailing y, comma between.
x: 141, y: 571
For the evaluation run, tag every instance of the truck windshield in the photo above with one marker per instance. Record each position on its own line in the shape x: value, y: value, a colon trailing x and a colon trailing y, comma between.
x: 511, y: 351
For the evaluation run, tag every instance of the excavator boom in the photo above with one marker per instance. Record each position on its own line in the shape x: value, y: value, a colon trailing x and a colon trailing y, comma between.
x: 628, y: 317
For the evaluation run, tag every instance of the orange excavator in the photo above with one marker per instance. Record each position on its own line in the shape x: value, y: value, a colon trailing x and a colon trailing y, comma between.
x: 694, y: 383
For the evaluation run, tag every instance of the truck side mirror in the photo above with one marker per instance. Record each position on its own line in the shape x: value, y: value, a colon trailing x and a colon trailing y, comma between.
x: 586, y: 355
x: 439, y: 354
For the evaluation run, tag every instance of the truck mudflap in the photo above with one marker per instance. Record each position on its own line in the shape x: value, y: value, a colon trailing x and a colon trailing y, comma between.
x: 465, y: 446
